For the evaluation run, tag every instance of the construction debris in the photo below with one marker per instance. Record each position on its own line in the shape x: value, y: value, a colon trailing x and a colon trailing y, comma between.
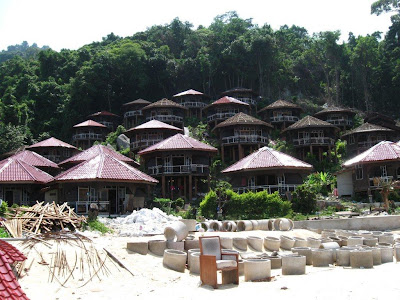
x: 42, y: 218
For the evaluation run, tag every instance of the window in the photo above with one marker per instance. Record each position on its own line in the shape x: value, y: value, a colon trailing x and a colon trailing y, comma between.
x: 251, y: 182
x: 351, y: 139
x: 83, y: 194
x: 359, y: 172
x: 383, y: 171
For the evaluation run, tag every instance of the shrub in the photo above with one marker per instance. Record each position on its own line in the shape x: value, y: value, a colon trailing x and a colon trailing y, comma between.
x: 3, y: 208
x: 3, y: 233
x: 98, y: 226
x: 169, y: 206
x: 304, y: 199
x: 208, y: 207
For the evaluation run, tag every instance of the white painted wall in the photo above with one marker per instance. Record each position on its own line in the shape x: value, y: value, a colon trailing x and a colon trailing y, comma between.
x: 345, y: 184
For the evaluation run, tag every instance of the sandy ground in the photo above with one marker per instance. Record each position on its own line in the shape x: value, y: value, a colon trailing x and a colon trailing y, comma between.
x: 152, y: 281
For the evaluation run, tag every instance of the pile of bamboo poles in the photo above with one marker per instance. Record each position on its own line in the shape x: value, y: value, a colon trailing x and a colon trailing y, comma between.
x: 42, y: 218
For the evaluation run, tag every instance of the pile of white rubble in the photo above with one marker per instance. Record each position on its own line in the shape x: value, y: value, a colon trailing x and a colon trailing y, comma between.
x: 139, y: 223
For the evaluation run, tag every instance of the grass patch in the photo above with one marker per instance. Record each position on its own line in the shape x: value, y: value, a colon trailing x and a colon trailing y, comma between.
x: 4, y: 233
x: 98, y: 226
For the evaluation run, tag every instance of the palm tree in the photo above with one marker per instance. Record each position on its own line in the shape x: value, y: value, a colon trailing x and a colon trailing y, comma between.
x: 386, y: 187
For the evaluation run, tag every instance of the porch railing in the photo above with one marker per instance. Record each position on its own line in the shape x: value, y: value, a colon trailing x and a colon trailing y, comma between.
x: 340, y: 122
x: 194, y: 104
x: 281, y: 188
x: 313, y: 141
x: 88, y: 136
x: 179, y: 169
x: 221, y: 116
x: 238, y: 139
x: 133, y: 113
x: 284, y: 119
x: 165, y: 118
x: 374, y: 182
x: 145, y: 143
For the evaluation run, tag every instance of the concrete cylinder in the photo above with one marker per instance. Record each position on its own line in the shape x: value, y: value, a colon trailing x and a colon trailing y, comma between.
x: 355, y: 240
x: 244, y: 225
x: 370, y: 241
x: 157, y: 247
x: 263, y: 224
x: 174, y: 260
x: 322, y: 257
x: 336, y: 239
x: 229, y: 226
x: 271, y: 224
x: 343, y: 257
x: 255, y: 224
x: 226, y: 242
x: 361, y: 258
x: 287, y: 242
x: 194, y: 266
x: 190, y: 224
x: 272, y: 243
x: 191, y: 244
x: 189, y: 252
x: 300, y: 242
x: 365, y: 234
x: 285, y: 225
x: 257, y: 269
x: 386, y: 254
x: 343, y: 240
x: 176, y: 232
x: 205, y: 225
x: 327, y: 233
x: 397, y: 252
x: 176, y: 245
x: 241, y: 267
x: 240, y: 243
x: 313, y: 242
x: 255, y: 243
x: 138, y: 247
x: 305, y: 251
x: 376, y: 255
x: 293, y: 265
x: 276, y: 261
x: 215, y: 225
x: 331, y: 245
x: 386, y: 237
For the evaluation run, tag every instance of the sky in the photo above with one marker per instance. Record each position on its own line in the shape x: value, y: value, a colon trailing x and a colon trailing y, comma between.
x: 71, y: 24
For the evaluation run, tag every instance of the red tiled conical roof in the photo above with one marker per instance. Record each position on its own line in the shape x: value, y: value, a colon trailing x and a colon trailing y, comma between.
x: 309, y: 121
x: 154, y: 124
x: 267, y: 158
x: 227, y: 100
x: 104, y: 167
x: 11, y: 253
x: 188, y: 92
x: 34, y: 159
x: 242, y: 119
x: 179, y: 142
x: 51, y: 142
x: 89, y: 123
x: 164, y: 103
x: 281, y: 104
x: 367, y: 127
x: 13, y: 170
x: 103, y: 113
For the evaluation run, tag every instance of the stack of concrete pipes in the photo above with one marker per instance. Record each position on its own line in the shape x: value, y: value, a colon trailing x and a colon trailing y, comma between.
x: 281, y: 224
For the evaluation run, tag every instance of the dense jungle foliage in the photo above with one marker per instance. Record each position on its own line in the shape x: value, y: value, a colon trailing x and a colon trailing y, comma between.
x: 44, y: 92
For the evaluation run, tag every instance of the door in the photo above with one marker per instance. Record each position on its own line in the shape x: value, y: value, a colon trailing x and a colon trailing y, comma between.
x: 9, y: 198
x: 112, y: 198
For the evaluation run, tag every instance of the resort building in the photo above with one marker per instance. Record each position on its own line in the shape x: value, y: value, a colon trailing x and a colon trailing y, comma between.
x: 181, y: 164
x: 223, y: 109
x: 365, y: 136
x: 267, y: 170
x: 54, y: 149
x: 311, y: 135
x: 193, y: 100
x: 245, y: 95
x: 241, y: 135
x: 150, y: 133
x: 110, y: 120
x: 133, y: 114
x: 166, y: 111
x: 340, y: 117
x: 88, y: 132
x: 280, y: 114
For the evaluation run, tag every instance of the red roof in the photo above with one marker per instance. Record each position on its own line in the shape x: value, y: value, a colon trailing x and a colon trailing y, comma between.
x: 13, y: 170
x: 227, y: 100
x: 51, y: 142
x: 11, y: 254
x: 267, y: 158
x: 104, y: 167
x: 154, y: 124
x: 34, y: 159
x: 383, y: 151
x: 179, y: 142
x: 188, y: 92
x: 9, y: 286
x: 94, y: 151
x: 89, y: 123
x: 103, y: 113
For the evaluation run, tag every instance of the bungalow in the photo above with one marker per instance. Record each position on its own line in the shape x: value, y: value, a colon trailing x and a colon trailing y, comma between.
x: 150, y: 133
x: 223, y: 109
x: 110, y: 120
x: 54, y: 149
x: 193, y: 100
x: 133, y: 114
x: 182, y: 163
x: 340, y: 117
x: 383, y: 120
x: 281, y: 113
x: 38, y: 161
x: 105, y: 180
x: 245, y: 95
x: 363, y: 173
x: 88, y: 132
x: 365, y: 136
x: 20, y: 182
x: 240, y: 135
x: 267, y: 169
x: 311, y: 135
x: 166, y: 111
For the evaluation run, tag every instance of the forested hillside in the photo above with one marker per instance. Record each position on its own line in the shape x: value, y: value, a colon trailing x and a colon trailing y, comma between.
x: 44, y: 92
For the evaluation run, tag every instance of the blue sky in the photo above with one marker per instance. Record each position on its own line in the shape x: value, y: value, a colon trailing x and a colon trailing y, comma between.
x: 74, y: 23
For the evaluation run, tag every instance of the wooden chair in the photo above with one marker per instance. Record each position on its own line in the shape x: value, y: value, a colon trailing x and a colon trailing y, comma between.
x: 213, y: 259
